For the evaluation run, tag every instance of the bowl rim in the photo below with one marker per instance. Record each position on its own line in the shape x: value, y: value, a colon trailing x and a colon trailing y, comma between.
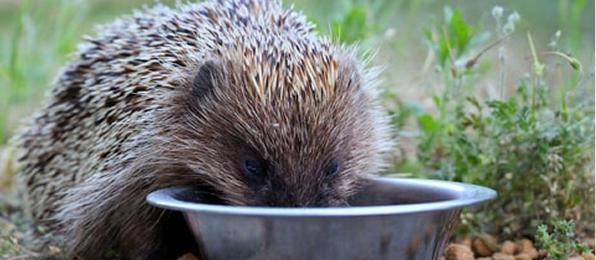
x: 470, y: 195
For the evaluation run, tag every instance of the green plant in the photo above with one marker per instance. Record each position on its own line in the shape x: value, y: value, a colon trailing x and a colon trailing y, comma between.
x: 561, y: 242
x: 38, y: 41
x: 571, y: 20
x: 533, y: 148
x: 358, y: 21
x: 352, y: 26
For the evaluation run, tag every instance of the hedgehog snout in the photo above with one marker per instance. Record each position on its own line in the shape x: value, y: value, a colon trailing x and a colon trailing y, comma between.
x: 301, y: 196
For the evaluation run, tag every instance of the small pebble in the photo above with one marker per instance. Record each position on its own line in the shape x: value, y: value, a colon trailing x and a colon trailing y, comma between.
x: 509, y: 248
x: 458, y: 252
x: 526, y: 246
x: 466, y: 242
x: 523, y: 257
x: 501, y: 256
x: 481, y: 248
x: 490, y: 241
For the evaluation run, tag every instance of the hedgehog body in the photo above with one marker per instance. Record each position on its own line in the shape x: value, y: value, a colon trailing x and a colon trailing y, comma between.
x: 238, y: 98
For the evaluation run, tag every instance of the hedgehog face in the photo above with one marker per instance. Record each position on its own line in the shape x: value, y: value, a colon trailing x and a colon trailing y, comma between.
x: 279, y: 135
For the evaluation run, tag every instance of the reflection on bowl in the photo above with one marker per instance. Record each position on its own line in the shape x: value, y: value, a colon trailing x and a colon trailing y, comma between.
x: 389, y: 219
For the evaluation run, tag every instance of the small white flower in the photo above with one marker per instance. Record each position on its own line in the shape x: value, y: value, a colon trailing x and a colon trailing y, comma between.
x: 554, y: 40
x: 513, y: 18
x: 390, y: 32
x: 497, y: 12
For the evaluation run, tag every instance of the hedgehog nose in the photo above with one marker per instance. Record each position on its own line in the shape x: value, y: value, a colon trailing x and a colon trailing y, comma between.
x: 287, y: 199
x: 301, y: 204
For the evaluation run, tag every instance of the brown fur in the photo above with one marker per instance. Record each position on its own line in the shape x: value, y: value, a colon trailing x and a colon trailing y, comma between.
x: 178, y: 97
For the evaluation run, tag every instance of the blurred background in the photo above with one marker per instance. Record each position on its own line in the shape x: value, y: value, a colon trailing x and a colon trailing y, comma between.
x: 36, y: 37
x: 498, y: 93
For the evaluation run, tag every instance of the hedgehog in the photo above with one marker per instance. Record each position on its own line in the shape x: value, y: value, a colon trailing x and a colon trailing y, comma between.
x: 240, y: 99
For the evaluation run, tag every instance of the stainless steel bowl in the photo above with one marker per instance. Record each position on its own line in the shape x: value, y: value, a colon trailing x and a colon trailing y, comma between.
x: 390, y: 219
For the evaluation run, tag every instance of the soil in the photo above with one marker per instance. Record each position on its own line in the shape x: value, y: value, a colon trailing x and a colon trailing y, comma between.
x: 486, y: 247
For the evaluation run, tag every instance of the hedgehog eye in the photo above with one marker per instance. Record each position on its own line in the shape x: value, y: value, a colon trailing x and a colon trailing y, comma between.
x: 332, y: 169
x: 253, y: 167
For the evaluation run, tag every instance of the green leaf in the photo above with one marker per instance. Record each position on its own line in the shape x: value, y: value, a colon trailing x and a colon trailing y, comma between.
x: 438, y: 101
x: 460, y: 32
x: 443, y: 50
x: 427, y: 123
x: 352, y: 27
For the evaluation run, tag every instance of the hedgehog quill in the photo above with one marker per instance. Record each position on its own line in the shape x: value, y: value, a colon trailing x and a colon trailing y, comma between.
x: 240, y: 99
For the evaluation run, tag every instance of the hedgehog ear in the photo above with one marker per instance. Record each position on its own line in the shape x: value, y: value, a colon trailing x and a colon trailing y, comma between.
x: 205, y: 79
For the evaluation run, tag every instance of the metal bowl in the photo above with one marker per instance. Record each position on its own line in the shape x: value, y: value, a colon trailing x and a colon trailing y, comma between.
x: 390, y: 219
